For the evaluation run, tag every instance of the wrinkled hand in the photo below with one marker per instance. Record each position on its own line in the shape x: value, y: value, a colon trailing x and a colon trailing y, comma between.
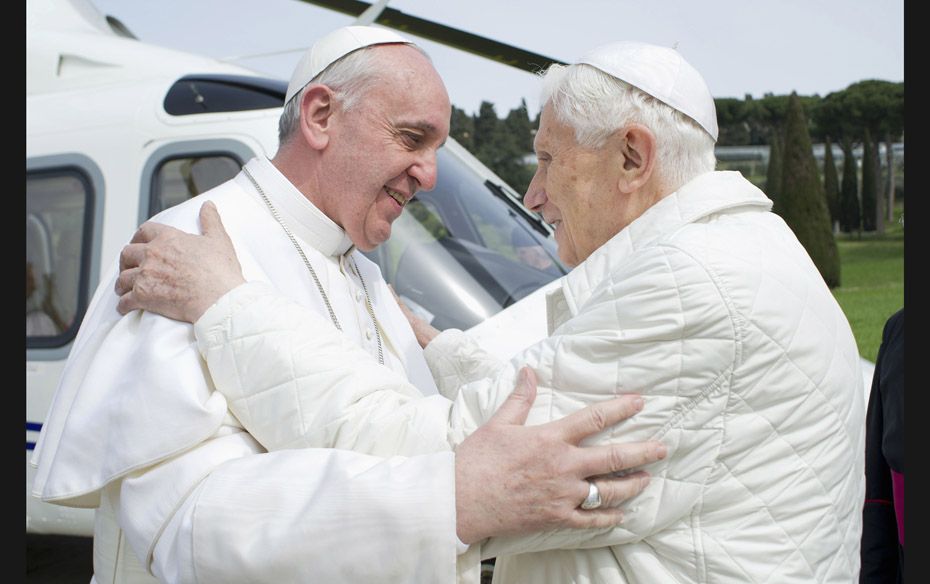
x: 512, y: 479
x: 177, y: 274
x: 424, y: 331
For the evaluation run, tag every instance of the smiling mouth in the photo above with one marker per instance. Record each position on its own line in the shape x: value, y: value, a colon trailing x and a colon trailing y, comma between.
x: 401, y: 200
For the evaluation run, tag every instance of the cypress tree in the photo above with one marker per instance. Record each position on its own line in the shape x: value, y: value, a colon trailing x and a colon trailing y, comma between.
x: 501, y: 144
x: 519, y: 142
x: 487, y: 135
x: 801, y: 202
x: 869, y: 183
x: 889, y: 181
x: 831, y: 182
x: 880, y: 199
x: 462, y: 128
x: 517, y: 124
x: 849, y: 191
x: 774, y: 171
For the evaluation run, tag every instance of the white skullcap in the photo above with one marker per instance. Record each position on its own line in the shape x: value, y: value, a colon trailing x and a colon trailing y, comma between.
x: 662, y: 73
x: 334, y: 46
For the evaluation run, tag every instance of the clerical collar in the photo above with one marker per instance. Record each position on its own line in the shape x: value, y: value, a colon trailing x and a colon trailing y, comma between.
x: 303, y: 218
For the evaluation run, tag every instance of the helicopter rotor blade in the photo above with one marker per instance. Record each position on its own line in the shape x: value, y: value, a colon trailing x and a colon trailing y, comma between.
x: 446, y: 35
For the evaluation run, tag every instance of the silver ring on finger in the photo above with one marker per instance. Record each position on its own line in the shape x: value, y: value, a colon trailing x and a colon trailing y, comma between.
x: 593, y: 500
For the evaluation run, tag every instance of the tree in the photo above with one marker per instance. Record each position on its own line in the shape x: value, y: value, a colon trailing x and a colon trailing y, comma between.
x: 774, y: 172
x: 519, y: 143
x: 488, y: 133
x: 871, y: 212
x: 892, y: 129
x: 462, y: 128
x: 839, y: 115
x: 882, y: 110
x: 501, y: 145
x: 766, y: 116
x: 870, y: 104
x: 849, y: 192
x: 831, y: 182
x: 517, y: 124
x: 731, y: 121
x: 801, y: 202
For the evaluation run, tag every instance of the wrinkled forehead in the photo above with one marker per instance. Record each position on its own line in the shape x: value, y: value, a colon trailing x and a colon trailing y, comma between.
x: 410, y: 87
x: 408, y: 63
x: 553, y: 133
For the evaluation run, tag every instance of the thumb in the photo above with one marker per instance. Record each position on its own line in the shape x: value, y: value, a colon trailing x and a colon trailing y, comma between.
x: 516, y: 407
x: 394, y: 294
x: 403, y: 307
x: 210, y: 222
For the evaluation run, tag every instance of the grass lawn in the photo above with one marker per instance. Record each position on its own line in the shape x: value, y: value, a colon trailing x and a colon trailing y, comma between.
x: 872, y: 276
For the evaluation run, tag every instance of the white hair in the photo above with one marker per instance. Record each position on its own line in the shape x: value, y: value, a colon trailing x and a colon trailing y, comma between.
x: 595, y: 105
x: 349, y: 77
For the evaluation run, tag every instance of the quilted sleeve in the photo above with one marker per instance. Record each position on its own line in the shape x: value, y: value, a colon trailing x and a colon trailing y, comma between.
x: 455, y: 359
x: 294, y: 381
x: 227, y: 512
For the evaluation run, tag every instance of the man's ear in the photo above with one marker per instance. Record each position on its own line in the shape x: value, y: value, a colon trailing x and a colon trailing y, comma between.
x: 638, y: 152
x: 316, y: 111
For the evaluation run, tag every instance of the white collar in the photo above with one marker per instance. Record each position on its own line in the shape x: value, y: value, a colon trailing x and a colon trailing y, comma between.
x: 300, y: 215
x: 706, y: 194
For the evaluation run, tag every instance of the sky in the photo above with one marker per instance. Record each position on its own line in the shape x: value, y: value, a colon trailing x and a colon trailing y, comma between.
x: 740, y: 46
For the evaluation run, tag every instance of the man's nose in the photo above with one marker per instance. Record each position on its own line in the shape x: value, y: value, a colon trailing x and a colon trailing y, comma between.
x: 535, y: 196
x: 424, y: 171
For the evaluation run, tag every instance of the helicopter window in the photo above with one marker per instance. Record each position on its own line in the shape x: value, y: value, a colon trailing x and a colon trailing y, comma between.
x: 199, y: 94
x: 179, y: 179
x: 459, y: 254
x: 497, y: 225
x: 58, y: 216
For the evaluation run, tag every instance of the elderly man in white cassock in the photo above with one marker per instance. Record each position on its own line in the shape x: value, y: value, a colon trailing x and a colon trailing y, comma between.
x: 686, y: 287
x: 184, y: 493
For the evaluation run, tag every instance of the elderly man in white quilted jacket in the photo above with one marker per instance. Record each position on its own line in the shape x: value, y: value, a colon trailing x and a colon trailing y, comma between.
x: 686, y: 288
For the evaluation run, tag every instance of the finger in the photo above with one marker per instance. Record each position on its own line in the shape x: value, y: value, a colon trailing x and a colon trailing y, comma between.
x: 599, y: 460
x: 595, y: 418
x: 131, y: 256
x: 149, y: 231
x: 127, y: 303
x: 516, y: 407
x: 126, y: 279
x: 394, y: 293
x: 397, y: 298
x: 595, y: 518
x: 210, y: 221
x: 615, y: 491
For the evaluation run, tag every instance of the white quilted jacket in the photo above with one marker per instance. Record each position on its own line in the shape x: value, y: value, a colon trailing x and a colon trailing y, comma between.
x: 710, y: 308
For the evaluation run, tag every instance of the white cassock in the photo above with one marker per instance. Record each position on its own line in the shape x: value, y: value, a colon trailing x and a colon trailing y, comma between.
x: 137, y: 431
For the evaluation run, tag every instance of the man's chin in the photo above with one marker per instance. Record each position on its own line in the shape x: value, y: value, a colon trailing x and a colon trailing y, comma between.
x: 570, y: 261
x: 371, y: 243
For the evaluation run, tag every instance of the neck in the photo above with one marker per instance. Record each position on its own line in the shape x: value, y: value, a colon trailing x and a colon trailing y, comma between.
x: 302, y: 169
x: 657, y: 188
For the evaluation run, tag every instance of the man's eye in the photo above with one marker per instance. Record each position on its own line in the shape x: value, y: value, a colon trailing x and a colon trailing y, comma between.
x: 412, y: 138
